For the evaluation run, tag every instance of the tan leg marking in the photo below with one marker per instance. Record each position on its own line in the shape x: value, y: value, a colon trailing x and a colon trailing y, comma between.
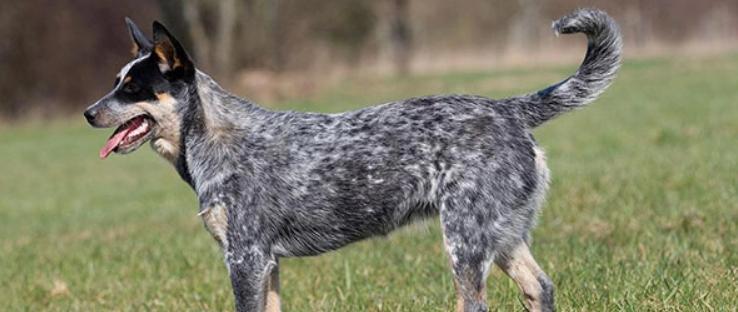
x: 216, y: 221
x: 524, y: 270
x: 272, y: 291
x: 461, y: 303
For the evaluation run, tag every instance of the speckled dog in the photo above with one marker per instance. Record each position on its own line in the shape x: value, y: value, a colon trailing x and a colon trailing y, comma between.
x: 286, y: 184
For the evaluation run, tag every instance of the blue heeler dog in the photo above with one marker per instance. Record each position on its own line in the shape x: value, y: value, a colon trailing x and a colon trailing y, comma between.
x: 286, y: 184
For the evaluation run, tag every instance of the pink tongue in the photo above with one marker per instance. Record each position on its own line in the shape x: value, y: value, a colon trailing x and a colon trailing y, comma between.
x: 113, y: 142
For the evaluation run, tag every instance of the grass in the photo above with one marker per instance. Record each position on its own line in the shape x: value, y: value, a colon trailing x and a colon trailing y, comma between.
x: 642, y: 214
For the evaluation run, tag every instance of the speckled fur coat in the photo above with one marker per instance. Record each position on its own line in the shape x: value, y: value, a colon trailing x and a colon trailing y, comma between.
x: 284, y: 184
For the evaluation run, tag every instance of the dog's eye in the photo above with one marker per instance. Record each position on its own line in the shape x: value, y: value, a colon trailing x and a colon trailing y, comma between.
x: 131, y: 88
x: 115, y: 83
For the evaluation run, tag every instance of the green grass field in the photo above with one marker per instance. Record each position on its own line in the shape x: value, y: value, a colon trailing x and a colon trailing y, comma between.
x: 642, y: 214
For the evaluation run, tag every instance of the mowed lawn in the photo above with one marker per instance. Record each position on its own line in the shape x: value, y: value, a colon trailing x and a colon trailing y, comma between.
x: 642, y: 214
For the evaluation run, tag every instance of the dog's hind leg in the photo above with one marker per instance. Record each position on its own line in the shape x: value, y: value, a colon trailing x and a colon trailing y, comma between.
x: 536, y: 286
x: 470, y: 257
x: 470, y: 279
x: 483, y: 214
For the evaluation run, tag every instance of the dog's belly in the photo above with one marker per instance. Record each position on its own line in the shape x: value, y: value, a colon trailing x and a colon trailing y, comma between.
x: 313, y: 244
x: 311, y: 238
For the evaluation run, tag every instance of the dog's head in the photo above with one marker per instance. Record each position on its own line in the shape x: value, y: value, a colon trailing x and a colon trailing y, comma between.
x: 147, y: 91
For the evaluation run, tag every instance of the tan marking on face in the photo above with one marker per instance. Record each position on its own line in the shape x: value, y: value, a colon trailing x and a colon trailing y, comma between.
x: 216, y: 221
x: 166, y: 141
x: 524, y: 270
x: 166, y: 149
x: 272, y: 294
x: 127, y: 79
x: 164, y: 97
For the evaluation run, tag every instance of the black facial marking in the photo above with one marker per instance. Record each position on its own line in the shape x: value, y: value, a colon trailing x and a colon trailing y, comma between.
x: 131, y: 87
x: 141, y: 83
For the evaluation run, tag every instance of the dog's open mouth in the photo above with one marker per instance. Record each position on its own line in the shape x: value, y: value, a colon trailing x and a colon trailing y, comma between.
x: 129, y: 136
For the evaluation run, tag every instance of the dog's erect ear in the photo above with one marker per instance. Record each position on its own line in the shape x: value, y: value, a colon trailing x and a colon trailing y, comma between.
x: 171, y: 56
x: 141, y: 44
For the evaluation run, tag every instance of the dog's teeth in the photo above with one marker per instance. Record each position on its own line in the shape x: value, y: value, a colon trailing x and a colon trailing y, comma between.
x: 142, y: 126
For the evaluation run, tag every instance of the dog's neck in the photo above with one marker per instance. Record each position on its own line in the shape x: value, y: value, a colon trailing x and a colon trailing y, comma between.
x: 220, y: 110
x: 212, y: 119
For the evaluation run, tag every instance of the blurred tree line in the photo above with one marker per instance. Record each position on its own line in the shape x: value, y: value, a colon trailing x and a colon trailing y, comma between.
x: 60, y: 55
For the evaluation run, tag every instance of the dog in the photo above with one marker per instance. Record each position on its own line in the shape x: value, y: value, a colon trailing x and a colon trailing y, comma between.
x: 275, y: 184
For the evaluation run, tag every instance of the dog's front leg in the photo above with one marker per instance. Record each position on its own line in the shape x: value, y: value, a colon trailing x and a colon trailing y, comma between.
x: 250, y: 270
x: 272, y: 292
x: 241, y: 223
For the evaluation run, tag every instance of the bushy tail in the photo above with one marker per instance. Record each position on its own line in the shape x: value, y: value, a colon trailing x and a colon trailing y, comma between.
x: 593, y: 76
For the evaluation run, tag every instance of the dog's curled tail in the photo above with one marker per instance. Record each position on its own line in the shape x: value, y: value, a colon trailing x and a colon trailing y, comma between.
x: 591, y: 79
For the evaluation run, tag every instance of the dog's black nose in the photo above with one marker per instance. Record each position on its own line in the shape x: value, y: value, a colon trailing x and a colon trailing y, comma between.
x: 90, y: 115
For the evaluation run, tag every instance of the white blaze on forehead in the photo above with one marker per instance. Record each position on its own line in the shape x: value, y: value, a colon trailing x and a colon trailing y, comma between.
x: 124, y: 71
